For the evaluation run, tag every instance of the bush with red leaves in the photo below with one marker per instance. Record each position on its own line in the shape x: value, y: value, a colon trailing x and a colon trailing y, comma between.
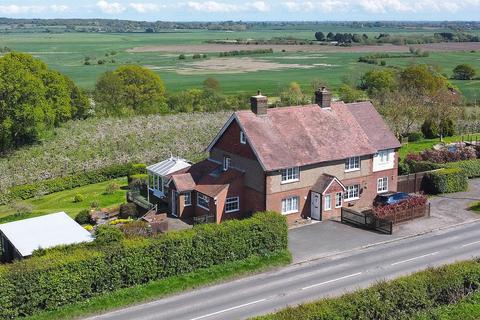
x: 389, y: 211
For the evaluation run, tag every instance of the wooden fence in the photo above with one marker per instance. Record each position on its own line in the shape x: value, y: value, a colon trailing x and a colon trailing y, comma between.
x: 410, y: 214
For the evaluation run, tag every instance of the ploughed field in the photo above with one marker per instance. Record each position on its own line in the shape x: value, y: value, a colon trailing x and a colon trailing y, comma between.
x: 245, y: 73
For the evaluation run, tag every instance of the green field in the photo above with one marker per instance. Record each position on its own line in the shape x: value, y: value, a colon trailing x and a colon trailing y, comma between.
x: 66, y: 52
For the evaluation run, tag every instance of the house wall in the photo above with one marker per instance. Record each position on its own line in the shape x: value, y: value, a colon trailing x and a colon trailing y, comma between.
x: 230, y: 142
x: 365, y: 177
x: 379, y: 166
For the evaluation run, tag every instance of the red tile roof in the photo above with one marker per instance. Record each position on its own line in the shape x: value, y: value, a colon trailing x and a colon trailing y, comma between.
x: 206, y: 177
x: 302, y: 135
x: 373, y: 125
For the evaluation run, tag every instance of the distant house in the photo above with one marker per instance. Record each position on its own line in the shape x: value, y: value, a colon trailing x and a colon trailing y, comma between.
x: 20, y: 238
x: 301, y: 161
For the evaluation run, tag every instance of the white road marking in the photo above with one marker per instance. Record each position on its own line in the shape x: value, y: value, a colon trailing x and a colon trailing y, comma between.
x: 229, y: 309
x: 333, y: 280
x: 471, y: 243
x: 415, y: 258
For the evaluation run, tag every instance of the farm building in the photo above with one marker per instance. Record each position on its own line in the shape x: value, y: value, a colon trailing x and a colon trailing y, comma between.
x: 19, y: 239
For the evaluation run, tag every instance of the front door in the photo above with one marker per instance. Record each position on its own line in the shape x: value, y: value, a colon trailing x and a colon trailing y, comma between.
x: 174, y: 203
x: 315, y: 206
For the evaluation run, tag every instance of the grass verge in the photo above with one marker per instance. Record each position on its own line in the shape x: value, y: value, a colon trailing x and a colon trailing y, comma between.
x: 475, y: 207
x: 63, y: 201
x: 158, y: 289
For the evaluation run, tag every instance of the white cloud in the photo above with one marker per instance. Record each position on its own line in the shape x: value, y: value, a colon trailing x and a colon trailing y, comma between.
x: 307, y: 6
x: 58, y: 8
x: 261, y: 6
x: 16, y: 9
x: 225, y: 7
x: 146, y: 7
x: 111, y: 7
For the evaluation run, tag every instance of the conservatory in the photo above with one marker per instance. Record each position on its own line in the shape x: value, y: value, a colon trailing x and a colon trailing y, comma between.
x: 159, y: 175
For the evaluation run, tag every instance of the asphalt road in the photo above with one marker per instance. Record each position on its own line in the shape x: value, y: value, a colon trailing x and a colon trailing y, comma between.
x: 267, y: 292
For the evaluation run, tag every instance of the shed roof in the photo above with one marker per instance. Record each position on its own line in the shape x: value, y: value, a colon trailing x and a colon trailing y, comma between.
x: 44, y: 232
x: 168, y: 166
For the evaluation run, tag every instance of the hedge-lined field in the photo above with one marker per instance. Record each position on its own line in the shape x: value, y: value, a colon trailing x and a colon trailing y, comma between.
x: 82, y: 146
x: 402, y: 298
x: 67, y: 275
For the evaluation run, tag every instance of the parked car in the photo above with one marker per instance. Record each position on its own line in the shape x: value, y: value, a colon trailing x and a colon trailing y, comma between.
x: 390, y: 198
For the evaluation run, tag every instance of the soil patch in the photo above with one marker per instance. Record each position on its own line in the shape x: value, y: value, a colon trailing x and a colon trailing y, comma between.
x: 230, y: 65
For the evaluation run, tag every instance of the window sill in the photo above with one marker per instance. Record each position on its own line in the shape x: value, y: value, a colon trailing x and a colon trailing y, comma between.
x: 290, y: 181
x: 384, y: 191
x: 351, y: 199
x: 289, y: 212
x: 207, y: 209
x: 328, y: 209
x: 352, y: 170
x: 232, y: 211
x: 336, y: 207
x: 187, y: 205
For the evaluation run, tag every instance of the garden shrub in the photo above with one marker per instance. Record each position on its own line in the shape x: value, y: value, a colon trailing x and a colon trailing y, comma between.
x: 112, y: 188
x: 128, y: 210
x: 445, y: 181
x: 430, y: 129
x: 140, y: 179
x: 75, y: 273
x: 84, y: 217
x: 421, y: 166
x: 470, y: 167
x: 105, y: 235
x: 395, y: 300
x: 78, y: 198
x: 415, y: 136
x: 69, y: 182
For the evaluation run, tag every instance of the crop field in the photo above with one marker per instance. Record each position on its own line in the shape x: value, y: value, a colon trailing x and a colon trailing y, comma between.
x: 66, y: 52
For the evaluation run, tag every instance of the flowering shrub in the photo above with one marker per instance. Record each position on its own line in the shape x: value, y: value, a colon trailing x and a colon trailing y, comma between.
x: 444, y: 155
x: 389, y: 211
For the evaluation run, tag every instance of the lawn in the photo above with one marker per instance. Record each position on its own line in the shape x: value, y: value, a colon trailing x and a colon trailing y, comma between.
x: 424, y: 144
x: 63, y: 201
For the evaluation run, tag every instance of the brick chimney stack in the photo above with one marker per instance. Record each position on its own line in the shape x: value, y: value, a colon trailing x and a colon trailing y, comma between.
x: 323, y: 98
x: 259, y: 104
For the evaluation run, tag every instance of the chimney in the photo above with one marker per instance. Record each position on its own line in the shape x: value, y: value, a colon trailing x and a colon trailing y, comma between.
x: 259, y: 104
x: 323, y: 98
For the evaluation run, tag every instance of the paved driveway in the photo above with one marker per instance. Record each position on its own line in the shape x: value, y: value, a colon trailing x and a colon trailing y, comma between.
x: 321, y: 239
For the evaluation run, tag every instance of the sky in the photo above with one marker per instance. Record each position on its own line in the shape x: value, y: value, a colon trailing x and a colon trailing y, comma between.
x: 247, y: 10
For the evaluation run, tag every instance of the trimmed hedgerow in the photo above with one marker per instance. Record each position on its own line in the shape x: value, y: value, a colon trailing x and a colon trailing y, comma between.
x: 397, y: 299
x: 445, y: 181
x: 68, y: 274
x: 470, y: 167
x: 69, y: 182
x: 422, y: 166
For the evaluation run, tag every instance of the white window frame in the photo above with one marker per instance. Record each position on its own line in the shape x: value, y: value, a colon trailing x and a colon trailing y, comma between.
x: 204, y: 198
x: 328, y: 202
x: 227, y: 163
x: 230, y: 201
x: 243, y: 138
x: 290, y: 175
x: 382, y: 185
x: 187, y: 195
x: 290, y: 205
x: 351, y: 193
x: 352, y: 164
x: 338, y: 199
x: 384, y: 156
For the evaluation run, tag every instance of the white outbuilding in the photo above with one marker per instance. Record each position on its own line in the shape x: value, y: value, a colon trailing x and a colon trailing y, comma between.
x: 20, y: 238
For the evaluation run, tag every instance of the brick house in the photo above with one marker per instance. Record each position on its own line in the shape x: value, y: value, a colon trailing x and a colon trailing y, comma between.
x: 301, y: 161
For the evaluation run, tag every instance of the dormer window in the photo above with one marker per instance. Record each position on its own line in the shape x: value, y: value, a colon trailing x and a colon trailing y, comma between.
x: 227, y: 162
x: 243, y: 138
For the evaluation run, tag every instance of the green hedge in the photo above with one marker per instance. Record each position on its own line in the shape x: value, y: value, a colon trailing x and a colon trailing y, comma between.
x: 470, y: 167
x: 397, y: 299
x: 445, y: 181
x: 69, y: 182
x: 421, y: 166
x: 71, y: 274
